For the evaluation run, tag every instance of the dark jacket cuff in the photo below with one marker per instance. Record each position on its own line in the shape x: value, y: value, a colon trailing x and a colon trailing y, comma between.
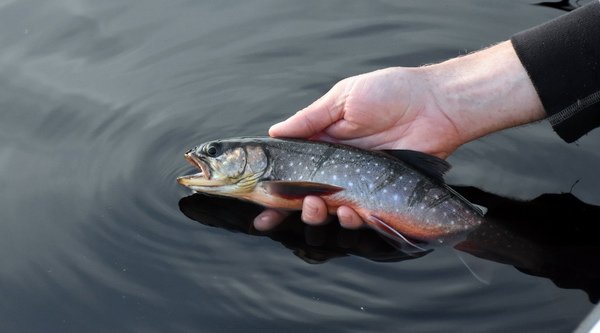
x: 562, y: 58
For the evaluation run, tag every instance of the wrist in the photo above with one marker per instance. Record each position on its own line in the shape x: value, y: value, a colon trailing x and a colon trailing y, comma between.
x: 485, y: 91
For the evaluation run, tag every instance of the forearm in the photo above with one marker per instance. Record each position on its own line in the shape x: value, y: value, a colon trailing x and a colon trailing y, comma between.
x: 548, y: 71
x: 485, y: 91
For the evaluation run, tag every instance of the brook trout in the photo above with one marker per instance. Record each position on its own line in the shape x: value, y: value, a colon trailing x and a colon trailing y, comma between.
x: 399, y: 193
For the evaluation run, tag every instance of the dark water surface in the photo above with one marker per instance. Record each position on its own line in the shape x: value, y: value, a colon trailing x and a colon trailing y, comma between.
x: 99, y: 100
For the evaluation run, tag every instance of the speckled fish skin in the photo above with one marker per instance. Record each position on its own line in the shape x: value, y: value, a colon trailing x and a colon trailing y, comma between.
x: 375, y: 184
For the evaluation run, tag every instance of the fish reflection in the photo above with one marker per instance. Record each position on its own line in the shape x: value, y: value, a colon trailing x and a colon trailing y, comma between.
x: 551, y: 236
x: 313, y: 244
x: 565, y: 5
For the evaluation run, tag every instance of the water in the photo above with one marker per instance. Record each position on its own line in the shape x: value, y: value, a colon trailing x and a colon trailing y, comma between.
x: 99, y: 100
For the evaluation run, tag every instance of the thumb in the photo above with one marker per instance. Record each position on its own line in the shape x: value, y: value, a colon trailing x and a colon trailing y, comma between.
x: 314, y: 118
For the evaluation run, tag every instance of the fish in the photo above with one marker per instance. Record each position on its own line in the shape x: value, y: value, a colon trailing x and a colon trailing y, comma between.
x: 399, y: 193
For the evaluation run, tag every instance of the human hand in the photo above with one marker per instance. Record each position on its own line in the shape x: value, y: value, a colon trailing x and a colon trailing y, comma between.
x: 432, y: 109
x: 386, y: 109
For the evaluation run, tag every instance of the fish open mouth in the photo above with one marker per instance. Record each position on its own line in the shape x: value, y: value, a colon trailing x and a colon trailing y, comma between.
x: 198, y: 163
x: 202, y: 178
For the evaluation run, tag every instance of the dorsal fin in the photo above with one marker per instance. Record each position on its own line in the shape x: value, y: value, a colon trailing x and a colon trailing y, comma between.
x: 429, y: 165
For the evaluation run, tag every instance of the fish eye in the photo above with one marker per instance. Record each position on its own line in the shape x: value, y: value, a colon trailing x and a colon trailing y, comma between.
x: 212, y: 151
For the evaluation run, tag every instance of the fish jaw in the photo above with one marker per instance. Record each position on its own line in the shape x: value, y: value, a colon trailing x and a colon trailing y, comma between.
x: 200, y: 180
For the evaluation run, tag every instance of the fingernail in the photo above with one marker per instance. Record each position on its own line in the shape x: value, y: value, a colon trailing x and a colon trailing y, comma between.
x: 309, y: 212
x: 261, y: 222
x: 343, y: 215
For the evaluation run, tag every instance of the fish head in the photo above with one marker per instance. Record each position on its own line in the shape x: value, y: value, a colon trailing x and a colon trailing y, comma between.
x: 227, y: 167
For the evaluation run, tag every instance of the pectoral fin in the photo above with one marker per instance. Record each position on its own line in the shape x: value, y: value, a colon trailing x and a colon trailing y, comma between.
x: 298, y: 190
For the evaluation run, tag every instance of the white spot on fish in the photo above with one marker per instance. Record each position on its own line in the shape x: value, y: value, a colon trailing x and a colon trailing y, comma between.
x: 396, y: 197
x: 334, y: 177
x: 357, y: 170
x: 346, y: 166
x: 322, y: 172
x: 370, y: 186
x: 291, y: 163
x: 401, y: 177
x: 405, y: 188
x: 350, y: 184
x: 384, y: 191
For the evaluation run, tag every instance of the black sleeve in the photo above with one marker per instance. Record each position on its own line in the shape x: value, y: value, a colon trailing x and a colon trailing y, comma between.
x: 562, y: 58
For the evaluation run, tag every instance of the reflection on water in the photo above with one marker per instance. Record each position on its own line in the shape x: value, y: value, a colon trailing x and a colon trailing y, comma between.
x: 551, y: 236
x: 566, y: 5
x: 100, y: 99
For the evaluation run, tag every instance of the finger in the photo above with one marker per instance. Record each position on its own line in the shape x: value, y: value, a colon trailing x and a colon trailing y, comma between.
x: 269, y: 219
x: 349, y: 219
x: 314, y: 118
x: 314, y: 211
x: 344, y: 130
